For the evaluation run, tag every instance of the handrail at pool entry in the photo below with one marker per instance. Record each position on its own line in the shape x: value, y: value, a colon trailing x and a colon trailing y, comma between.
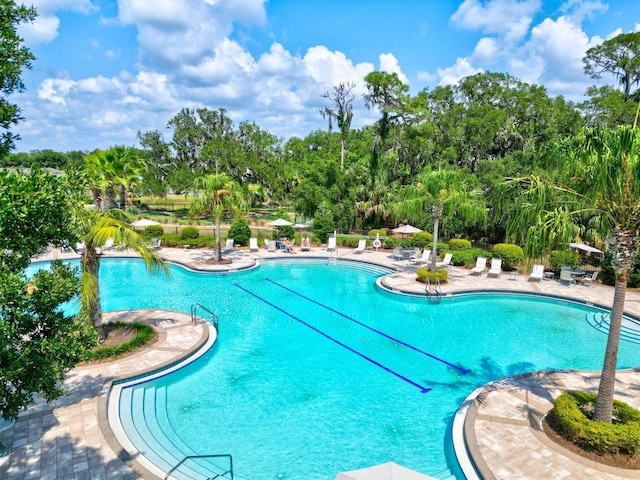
x: 462, y: 370
x: 190, y: 457
x: 212, y: 316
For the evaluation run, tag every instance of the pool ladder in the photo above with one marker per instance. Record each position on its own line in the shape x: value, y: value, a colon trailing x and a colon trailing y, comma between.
x: 209, y: 315
x: 191, y: 457
x: 433, y: 291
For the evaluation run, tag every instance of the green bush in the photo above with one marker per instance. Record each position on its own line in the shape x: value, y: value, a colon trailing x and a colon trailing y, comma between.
x: 457, y: 244
x: 389, y: 242
x: 468, y: 257
x: 175, y: 240
x: 440, y: 275
x: 348, y: 242
x: 189, y: 233
x: 284, y: 231
x: 559, y: 258
x: 510, y: 254
x: 377, y: 231
x: 154, y: 231
x: 240, y: 232
x: 620, y: 437
x: 144, y: 334
x: 421, y: 240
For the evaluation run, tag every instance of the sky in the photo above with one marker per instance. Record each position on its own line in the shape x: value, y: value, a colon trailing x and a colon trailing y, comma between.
x: 107, y: 69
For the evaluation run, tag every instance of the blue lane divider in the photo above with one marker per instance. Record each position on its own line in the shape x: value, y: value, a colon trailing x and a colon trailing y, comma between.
x: 422, y: 388
x: 462, y: 370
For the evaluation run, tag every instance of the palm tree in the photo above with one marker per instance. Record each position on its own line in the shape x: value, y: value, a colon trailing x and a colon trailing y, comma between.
x: 215, y: 195
x: 596, y: 175
x: 442, y: 192
x: 96, y: 228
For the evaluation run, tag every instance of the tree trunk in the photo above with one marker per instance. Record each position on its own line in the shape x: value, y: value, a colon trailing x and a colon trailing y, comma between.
x: 218, y: 247
x: 437, y: 213
x: 90, y: 267
x: 342, y: 152
x: 123, y: 198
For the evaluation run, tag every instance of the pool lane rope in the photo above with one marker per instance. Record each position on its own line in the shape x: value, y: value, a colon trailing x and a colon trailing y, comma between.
x: 460, y: 369
x: 422, y: 388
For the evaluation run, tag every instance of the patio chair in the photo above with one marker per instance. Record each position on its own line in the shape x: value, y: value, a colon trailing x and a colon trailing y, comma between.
x: 270, y: 244
x: 228, y: 246
x: 331, y: 245
x: 396, y: 255
x: 481, y: 264
x: 253, y: 244
x: 156, y: 243
x: 496, y: 267
x: 565, y: 276
x: 446, y: 261
x: 362, y: 245
x: 424, y: 258
x: 590, y: 279
x: 537, y: 273
x: 305, y: 246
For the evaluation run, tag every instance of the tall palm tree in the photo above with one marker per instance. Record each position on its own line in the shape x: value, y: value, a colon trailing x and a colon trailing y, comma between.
x: 442, y: 192
x: 215, y: 195
x: 95, y: 229
x: 596, y: 174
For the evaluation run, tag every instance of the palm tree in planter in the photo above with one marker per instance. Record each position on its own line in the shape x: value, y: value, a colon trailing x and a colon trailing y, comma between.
x: 215, y: 195
x: 438, y: 193
x: 594, y: 175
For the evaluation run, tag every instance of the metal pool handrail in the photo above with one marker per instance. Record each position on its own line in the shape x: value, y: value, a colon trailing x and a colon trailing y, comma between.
x: 189, y: 457
x: 212, y: 316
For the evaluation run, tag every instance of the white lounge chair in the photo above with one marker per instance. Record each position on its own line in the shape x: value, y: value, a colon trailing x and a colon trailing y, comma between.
x: 565, y: 276
x: 156, y: 243
x: 481, y: 264
x: 228, y: 246
x: 362, y: 245
x: 537, y: 273
x: 331, y: 245
x: 424, y: 258
x: 496, y: 267
x: 446, y: 261
x: 305, y: 246
x: 590, y: 279
x: 253, y: 244
x: 270, y: 244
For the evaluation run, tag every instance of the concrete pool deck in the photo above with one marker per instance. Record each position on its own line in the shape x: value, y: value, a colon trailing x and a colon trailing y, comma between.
x: 70, y: 438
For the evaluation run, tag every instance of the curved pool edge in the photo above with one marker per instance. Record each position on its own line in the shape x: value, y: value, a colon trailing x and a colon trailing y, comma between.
x: 108, y: 403
x: 532, y: 408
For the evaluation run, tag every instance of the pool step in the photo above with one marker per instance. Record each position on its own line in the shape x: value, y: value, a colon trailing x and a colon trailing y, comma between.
x: 629, y: 331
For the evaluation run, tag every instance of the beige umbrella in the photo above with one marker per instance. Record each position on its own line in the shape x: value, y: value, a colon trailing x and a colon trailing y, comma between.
x: 144, y: 222
x: 280, y: 222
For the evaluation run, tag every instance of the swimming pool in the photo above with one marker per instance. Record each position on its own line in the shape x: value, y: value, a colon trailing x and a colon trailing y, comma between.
x: 315, y: 371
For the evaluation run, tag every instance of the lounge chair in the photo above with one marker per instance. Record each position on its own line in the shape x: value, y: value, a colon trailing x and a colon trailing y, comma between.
x: 481, y: 264
x: 270, y: 244
x: 362, y: 245
x: 496, y: 267
x: 156, y: 243
x: 446, y: 261
x: 305, y: 246
x: 253, y: 244
x: 537, y: 273
x: 424, y: 258
x: 590, y: 279
x: 331, y: 245
x: 565, y: 276
x: 228, y: 246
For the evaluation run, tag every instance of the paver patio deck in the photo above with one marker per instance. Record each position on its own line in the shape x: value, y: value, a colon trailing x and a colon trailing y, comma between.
x: 70, y: 437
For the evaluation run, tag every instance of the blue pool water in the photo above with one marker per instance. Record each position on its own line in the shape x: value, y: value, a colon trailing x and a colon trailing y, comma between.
x: 316, y: 371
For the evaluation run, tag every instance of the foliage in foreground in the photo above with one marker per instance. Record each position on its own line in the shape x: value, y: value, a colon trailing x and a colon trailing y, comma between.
x: 572, y: 411
x: 440, y: 275
x: 144, y: 334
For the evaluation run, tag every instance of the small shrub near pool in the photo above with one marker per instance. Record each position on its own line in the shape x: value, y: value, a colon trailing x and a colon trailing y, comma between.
x: 572, y: 410
x: 440, y: 275
x: 144, y: 334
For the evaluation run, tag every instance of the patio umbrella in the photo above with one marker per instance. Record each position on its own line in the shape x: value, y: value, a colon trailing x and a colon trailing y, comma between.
x: 585, y: 247
x: 280, y: 222
x: 406, y: 229
x: 144, y: 222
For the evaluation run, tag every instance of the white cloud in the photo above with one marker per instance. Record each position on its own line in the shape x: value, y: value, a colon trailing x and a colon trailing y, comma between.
x: 45, y: 27
x: 56, y: 90
x: 389, y: 64
x: 453, y: 74
x: 487, y: 50
x: 508, y: 18
x: 579, y: 10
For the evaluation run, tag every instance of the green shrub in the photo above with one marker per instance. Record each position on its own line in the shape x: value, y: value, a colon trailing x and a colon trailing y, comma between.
x: 175, y: 240
x: 377, y: 231
x: 559, y: 258
x: 189, y: 233
x: 240, y: 232
x: 153, y: 231
x: 348, y: 242
x: 457, y: 244
x: 468, y: 257
x: 510, y: 254
x: 421, y: 240
x: 440, y: 275
x: 389, y: 242
x: 620, y: 437
x: 284, y: 231
x: 144, y: 334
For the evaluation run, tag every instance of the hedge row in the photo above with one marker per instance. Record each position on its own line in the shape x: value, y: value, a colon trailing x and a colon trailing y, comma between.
x: 145, y: 333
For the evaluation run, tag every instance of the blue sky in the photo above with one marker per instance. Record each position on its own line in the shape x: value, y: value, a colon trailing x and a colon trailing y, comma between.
x: 107, y: 69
